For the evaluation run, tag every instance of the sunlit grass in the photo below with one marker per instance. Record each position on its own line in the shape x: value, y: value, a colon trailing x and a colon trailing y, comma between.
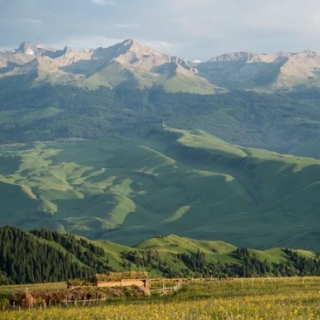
x: 267, y: 298
x: 157, y: 185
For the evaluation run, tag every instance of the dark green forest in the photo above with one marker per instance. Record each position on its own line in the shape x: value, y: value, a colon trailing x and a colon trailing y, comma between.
x: 271, y: 121
x: 28, y: 258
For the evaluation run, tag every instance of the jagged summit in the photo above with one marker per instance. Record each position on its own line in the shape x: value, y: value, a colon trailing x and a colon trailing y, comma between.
x: 40, y: 50
x: 133, y: 46
x: 67, y: 49
x: 130, y: 42
x: 231, y: 56
x: 136, y: 64
x: 27, y: 48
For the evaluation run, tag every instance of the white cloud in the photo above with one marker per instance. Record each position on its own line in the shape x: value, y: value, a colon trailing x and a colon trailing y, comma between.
x: 91, y: 42
x: 103, y: 2
x: 94, y: 42
x: 193, y: 29
x: 156, y: 44
x: 23, y: 20
x: 211, y: 27
x: 32, y: 21
x: 6, y: 48
x: 126, y: 25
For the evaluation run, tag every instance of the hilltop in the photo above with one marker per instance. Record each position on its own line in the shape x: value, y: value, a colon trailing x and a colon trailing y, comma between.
x: 187, y: 183
x: 44, y: 256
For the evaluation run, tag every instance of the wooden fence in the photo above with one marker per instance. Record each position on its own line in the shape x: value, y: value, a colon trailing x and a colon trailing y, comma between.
x: 167, y: 290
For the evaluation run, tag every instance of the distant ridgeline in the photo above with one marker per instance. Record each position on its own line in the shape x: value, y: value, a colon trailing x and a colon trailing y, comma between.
x: 271, y: 121
x: 46, y: 256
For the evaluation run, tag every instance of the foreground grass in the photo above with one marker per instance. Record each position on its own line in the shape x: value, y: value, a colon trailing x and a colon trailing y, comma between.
x: 32, y: 287
x: 296, y: 298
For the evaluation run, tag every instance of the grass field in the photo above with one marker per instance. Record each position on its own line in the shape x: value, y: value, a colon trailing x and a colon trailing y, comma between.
x: 168, y: 182
x: 274, y: 298
x: 38, y: 286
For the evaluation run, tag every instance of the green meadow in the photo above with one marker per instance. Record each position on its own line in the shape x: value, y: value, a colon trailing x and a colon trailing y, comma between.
x: 169, y: 181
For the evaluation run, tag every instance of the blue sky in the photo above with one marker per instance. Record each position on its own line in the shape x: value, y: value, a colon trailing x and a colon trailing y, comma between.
x: 191, y: 29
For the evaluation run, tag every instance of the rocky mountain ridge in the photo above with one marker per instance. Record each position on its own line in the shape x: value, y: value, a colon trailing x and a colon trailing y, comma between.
x: 136, y: 65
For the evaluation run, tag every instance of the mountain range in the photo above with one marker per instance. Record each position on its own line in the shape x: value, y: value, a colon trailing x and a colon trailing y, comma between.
x: 126, y: 143
x: 133, y: 64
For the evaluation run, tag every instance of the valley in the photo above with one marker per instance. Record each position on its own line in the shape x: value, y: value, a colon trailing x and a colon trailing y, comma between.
x: 159, y: 160
x: 126, y: 143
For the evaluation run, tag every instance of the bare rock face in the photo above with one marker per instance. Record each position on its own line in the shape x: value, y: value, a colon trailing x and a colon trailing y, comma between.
x: 254, y: 70
x: 136, y: 64
x: 126, y: 62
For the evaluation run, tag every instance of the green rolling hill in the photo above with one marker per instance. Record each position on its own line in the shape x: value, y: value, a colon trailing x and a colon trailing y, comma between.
x: 168, y: 181
x: 50, y: 256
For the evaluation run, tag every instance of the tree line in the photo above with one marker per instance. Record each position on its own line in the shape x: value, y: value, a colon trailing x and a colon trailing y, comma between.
x: 248, y: 265
x: 37, y: 257
x: 50, y: 256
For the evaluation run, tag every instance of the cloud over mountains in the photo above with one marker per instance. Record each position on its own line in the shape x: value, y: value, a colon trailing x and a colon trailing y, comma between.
x: 194, y: 28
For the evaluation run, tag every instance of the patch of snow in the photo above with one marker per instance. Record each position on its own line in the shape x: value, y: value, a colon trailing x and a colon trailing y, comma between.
x: 30, y: 52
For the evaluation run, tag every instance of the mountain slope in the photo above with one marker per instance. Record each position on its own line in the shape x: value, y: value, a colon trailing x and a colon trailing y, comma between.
x: 128, y: 63
x: 170, y: 181
x: 135, y: 65
x: 245, y: 70
x: 48, y: 113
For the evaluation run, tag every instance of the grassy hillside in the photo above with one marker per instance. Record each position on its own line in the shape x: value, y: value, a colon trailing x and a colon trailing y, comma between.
x: 167, y: 182
x: 173, y: 79
x: 48, y: 256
